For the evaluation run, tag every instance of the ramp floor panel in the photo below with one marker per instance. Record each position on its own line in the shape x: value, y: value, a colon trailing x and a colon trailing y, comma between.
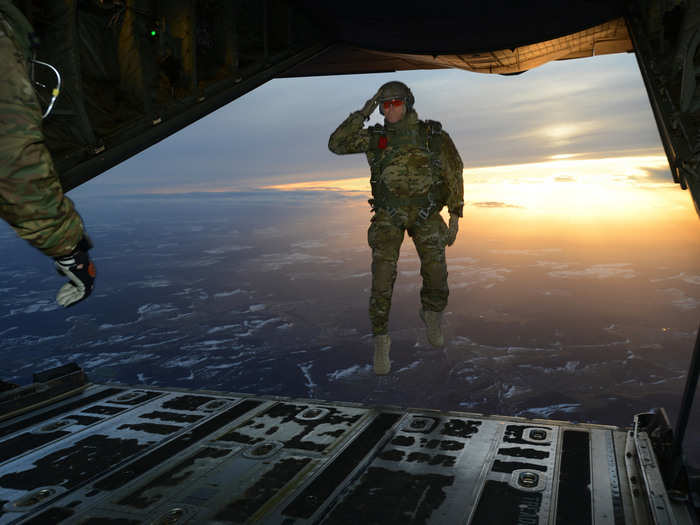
x: 152, y: 455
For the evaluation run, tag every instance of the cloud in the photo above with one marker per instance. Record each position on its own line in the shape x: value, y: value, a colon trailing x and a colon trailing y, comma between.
x: 680, y: 300
x: 533, y: 251
x: 554, y: 265
x: 494, y: 204
x: 597, y: 271
x: 658, y: 174
x: 467, y: 276
x: 691, y: 279
x: 564, y: 178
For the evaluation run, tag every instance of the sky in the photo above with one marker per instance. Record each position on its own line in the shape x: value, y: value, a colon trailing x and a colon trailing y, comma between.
x: 572, y: 140
x: 278, y: 133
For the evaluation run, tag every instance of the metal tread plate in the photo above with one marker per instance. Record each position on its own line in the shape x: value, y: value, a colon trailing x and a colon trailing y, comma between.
x: 151, y: 455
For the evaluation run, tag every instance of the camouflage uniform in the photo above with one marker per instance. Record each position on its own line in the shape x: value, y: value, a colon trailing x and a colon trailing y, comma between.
x: 416, y: 170
x: 31, y: 196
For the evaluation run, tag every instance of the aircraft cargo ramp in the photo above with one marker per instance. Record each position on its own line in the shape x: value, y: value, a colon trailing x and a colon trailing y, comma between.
x: 75, y: 452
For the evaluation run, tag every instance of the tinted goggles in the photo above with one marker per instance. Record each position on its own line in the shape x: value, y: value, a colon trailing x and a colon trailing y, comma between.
x: 397, y: 103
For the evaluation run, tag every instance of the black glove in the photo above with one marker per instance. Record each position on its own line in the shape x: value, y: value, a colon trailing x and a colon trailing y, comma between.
x: 80, y: 270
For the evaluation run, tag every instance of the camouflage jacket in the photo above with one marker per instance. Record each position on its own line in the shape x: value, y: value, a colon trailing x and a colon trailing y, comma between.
x: 31, y: 196
x: 21, y: 28
x: 405, y: 165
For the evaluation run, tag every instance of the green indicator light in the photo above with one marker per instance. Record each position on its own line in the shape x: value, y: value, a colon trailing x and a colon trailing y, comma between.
x: 153, y: 33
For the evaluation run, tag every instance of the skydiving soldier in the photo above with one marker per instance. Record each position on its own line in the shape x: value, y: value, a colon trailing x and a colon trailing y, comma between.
x: 31, y: 196
x: 415, y: 171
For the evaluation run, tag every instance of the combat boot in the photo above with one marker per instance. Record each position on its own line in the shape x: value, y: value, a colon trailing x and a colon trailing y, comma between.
x: 432, y: 322
x: 382, y: 344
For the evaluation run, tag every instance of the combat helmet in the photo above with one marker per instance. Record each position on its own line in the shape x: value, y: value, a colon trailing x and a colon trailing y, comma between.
x: 393, y: 90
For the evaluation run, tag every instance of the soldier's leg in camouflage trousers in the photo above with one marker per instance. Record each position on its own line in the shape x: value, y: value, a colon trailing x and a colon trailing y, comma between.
x: 385, y: 239
x: 429, y: 239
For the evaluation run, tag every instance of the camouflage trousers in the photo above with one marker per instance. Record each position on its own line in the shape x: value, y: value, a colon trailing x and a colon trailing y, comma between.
x: 31, y: 196
x: 385, y: 236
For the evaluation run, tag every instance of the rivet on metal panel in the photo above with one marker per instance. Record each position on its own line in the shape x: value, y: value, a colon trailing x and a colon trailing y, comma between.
x: 173, y: 515
x: 419, y: 424
x: 538, y: 434
x: 678, y: 495
x: 263, y: 450
x: 213, y: 405
x: 34, y: 498
x: 312, y: 413
x: 128, y: 396
x: 528, y: 479
x: 52, y: 427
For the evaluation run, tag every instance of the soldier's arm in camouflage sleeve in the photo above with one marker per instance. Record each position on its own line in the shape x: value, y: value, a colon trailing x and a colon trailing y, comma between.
x: 452, y: 170
x: 31, y: 197
x: 351, y: 136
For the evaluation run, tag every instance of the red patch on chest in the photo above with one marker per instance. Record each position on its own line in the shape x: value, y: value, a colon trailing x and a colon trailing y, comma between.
x: 382, y: 142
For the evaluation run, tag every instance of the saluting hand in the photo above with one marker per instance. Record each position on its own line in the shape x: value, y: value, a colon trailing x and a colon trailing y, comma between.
x: 452, y: 229
x: 371, y: 105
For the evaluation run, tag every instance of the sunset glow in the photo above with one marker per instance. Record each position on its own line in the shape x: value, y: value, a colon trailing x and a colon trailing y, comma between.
x: 564, y: 187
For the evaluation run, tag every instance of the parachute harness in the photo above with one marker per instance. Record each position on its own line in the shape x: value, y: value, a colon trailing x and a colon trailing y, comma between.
x: 429, y: 138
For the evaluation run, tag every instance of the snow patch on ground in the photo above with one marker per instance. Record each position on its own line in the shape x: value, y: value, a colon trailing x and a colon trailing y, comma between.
x: 184, y: 361
x: 470, y: 276
x: 277, y: 261
x: 232, y: 292
x: 410, y: 366
x: 348, y: 372
x: 154, y: 309
x: 227, y: 249
x: 222, y: 328
x: 546, y: 412
x: 151, y: 283
x: 213, y: 344
x: 306, y: 370
x: 309, y: 244
x: 187, y: 378
x: 36, y: 306
x: 224, y: 366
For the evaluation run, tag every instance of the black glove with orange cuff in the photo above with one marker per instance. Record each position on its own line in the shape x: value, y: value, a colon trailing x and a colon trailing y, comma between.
x: 80, y: 271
